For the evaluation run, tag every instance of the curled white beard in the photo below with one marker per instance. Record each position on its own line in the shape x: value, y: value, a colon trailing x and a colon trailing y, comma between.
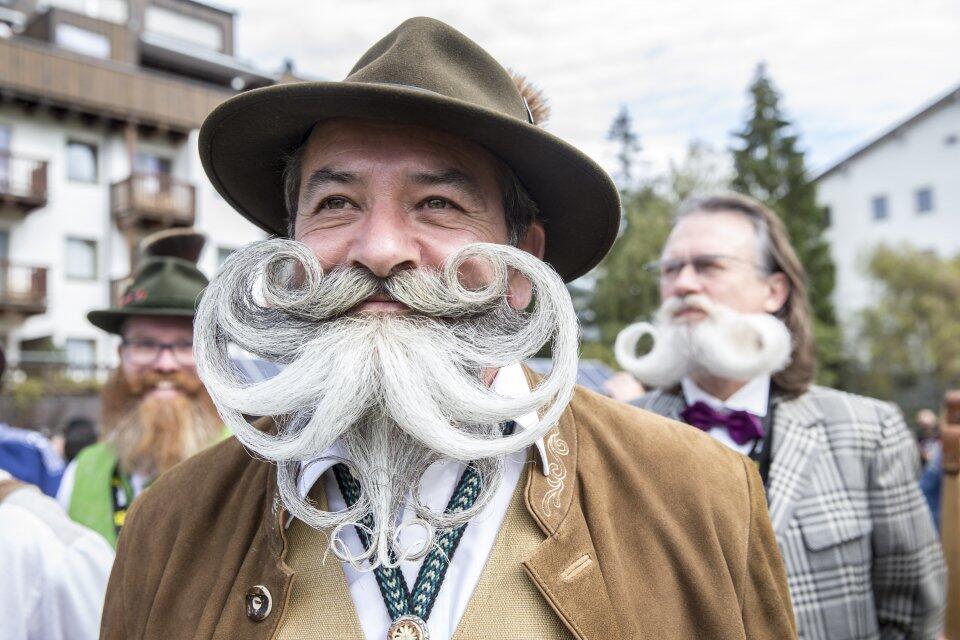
x: 725, y: 344
x: 400, y: 392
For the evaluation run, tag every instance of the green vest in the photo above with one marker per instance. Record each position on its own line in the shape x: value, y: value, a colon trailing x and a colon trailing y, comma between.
x: 91, y: 503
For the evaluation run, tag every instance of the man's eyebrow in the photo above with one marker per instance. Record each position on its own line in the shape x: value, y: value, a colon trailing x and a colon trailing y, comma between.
x: 453, y: 178
x: 325, y: 176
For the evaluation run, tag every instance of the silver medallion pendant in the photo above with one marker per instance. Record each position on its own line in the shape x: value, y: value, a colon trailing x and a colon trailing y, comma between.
x: 408, y: 628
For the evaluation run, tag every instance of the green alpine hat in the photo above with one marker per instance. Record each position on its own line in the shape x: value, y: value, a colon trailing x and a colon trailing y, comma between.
x: 167, y: 281
x: 423, y: 73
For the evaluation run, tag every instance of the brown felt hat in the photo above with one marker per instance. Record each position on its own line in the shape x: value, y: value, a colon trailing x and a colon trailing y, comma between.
x: 423, y: 73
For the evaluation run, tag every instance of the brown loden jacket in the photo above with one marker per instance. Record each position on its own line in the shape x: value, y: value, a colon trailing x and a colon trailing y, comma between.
x: 651, y: 530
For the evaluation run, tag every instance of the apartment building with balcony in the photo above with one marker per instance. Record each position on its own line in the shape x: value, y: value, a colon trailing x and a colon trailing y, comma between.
x: 100, y: 103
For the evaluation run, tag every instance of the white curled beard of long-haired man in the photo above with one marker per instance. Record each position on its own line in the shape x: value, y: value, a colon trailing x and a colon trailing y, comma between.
x: 722, y: 343
x: 396, y: 392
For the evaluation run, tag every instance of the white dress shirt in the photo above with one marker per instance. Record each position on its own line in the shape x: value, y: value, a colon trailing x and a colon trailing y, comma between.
x: 437, y: 486
x: 751, y: 397
x: 54, y: 571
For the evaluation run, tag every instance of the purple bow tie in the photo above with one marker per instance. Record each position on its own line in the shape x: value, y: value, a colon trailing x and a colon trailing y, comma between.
x: 742, y: 426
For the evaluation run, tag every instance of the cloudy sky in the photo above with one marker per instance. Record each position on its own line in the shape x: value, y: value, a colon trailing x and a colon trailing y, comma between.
x: 847, y: 70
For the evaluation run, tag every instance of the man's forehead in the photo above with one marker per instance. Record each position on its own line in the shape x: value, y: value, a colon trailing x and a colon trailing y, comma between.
x: 150, y: 326
x: 726, y: 233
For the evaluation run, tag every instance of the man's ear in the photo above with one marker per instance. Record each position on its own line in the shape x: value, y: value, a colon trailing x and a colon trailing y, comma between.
x: 778, y: 290
x: 534, y: 242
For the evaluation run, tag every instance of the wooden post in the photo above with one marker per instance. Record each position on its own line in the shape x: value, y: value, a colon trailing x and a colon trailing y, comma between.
x: 130, y: 137
x: 950, y: 510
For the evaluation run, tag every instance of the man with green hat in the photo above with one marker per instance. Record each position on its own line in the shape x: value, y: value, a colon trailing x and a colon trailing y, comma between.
x: 410, y: 478
x: 155, y: 411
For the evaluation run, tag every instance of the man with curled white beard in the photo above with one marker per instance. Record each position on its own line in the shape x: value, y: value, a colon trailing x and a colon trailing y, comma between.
x: 733, y: 355
x: 410, y: 478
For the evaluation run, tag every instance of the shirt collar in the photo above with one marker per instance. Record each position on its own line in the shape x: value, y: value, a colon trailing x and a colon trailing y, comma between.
x: 751, y: 397
x: 510, y: 381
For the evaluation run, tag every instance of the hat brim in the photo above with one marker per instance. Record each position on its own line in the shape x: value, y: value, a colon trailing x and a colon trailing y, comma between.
x: 243, y: 144
x: 111, y: 320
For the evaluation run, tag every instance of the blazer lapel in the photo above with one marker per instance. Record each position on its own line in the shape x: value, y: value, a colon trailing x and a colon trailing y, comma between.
x: 668, y: 403
x: 565, y: 567
x: 799, y: 435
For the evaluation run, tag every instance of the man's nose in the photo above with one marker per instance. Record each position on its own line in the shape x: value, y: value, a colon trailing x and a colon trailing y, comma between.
x: 687, y: 282
x: 385, y: 243
x: 166, y: 362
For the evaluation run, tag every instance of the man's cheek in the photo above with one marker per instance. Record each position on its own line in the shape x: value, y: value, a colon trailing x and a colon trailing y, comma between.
x: 475, y: 274
x: 520, y: 291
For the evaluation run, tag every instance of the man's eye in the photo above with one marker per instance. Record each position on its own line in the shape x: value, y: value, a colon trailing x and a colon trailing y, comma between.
x: 436, y: 203
x: 334, y: 203
x: 671, y: 268
x: 708, y: 265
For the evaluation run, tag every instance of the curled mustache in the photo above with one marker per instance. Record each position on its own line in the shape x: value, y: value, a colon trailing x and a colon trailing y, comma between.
x: 727, y: 344
x: 150, y: 380
x: 279, y: 310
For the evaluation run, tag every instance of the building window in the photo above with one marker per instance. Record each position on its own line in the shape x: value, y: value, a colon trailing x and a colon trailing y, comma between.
x: 924, y: 197
x: 152, y: 164
x: 81, y: 259
x: 879, y: 207
x: 222, y: 254
x: 827, y: 217
x: 81, y: 352
x: 81, y: 161
x: 951, y: 140
x: 82, y: 41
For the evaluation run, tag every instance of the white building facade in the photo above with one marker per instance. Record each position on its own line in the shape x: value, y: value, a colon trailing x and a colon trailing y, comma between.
x: 98, y: 147
x: 902, y: 188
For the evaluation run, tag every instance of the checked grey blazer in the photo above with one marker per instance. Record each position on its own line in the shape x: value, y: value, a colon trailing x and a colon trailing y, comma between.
x: 863, y: 560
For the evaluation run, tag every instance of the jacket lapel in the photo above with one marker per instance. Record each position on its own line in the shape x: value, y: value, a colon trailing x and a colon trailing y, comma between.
x: 565, y: 567
x: 668, y: 403
x: 799, y: 435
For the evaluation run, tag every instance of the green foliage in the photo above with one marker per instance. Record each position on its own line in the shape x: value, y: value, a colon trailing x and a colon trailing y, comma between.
x: 770, y: 167
x: 912, y: 333
x: 625, y: 291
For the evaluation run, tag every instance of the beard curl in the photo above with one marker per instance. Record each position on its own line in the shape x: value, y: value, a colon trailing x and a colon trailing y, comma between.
x: 725, y: 344
x: 399, y: 392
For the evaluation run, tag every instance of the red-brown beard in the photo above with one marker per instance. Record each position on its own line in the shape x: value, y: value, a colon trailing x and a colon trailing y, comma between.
x: 152, y: 434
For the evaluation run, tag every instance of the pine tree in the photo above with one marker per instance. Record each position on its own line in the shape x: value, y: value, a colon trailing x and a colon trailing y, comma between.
x: 621, y: 132
x: 770, y: 167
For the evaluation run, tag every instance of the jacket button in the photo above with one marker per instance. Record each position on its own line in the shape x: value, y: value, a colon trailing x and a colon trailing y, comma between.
x: 259, y: 603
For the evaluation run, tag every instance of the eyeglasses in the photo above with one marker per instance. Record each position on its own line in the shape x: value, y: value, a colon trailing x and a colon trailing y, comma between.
x: 144, y: 352
x: 707, y: 266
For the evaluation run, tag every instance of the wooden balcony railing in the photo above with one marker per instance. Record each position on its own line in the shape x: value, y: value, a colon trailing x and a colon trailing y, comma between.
x: 23, y: 181
x: 153, y: 201
x: 23, y: 289
x: 58, y: 373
